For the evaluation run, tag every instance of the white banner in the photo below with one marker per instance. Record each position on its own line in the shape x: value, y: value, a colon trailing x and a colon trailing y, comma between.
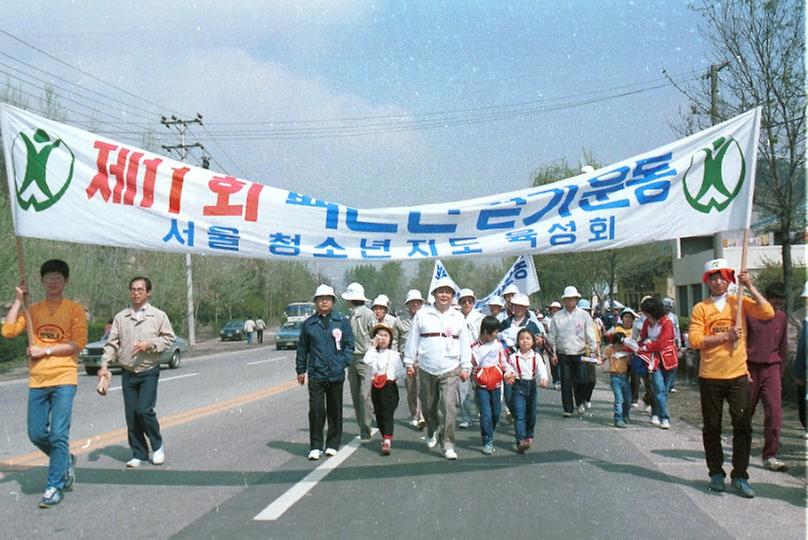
x: 68, y: 184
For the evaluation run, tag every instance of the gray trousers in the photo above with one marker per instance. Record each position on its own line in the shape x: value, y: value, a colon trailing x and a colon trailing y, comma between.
x: 467, y: 399
x: 360, y: 380
x: 413, y: 402
x: 438, y: 398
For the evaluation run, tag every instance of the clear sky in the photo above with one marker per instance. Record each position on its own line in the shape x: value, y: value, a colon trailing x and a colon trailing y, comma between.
x: 369, y: 103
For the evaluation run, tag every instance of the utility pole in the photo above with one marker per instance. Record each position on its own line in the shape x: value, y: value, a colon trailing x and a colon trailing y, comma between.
x: 718, y: 238
x: 181, y: 125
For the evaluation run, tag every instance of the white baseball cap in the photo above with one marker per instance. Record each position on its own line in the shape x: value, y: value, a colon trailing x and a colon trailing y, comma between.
x: 570, y: 292
x: 520, y: 299
x: 325, y: 290
x: 510, y: 289
x: 466, y: 292
x: 356, y: 292
x: 413, y: 294
x: 445, y: 281
x: 381, y: 300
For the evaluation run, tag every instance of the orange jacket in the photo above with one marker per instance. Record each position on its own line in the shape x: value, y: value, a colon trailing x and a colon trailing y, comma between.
x: 727, y: 360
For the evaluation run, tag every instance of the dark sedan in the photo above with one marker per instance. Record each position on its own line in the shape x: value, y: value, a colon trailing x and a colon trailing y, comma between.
x: 288, y: 335
x: 233, y: 331
x: 90, y: 355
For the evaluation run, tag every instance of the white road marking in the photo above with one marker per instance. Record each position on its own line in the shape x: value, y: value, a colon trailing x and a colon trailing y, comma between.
x: 296, y: 492
x: 163, y: 380
x: 266, y: 361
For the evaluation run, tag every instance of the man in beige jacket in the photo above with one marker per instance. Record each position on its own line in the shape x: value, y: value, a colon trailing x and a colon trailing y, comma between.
x: 137, y: 337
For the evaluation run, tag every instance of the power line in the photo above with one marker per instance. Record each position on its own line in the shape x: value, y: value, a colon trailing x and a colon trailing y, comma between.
x: 83, y: 72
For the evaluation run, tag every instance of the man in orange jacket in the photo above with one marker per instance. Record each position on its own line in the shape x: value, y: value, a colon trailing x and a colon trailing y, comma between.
x: 723, y: 374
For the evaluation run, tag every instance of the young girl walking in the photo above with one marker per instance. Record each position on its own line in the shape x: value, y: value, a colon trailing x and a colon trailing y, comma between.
x: 386, y: 366
x: 522, y: 369
x: 488, y: 357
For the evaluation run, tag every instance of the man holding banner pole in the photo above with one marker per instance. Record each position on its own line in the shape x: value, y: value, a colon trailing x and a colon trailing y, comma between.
x: 60, y: 332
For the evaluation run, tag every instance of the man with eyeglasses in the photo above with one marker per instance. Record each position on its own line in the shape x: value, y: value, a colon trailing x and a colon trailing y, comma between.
x: 137, y: 337
x: 59, y: 333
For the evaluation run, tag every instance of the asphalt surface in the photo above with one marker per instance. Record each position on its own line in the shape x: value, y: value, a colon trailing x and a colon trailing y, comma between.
x: 236, y: 437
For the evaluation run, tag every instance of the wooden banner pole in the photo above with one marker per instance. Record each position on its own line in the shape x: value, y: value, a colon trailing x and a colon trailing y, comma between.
x: 29, y: 325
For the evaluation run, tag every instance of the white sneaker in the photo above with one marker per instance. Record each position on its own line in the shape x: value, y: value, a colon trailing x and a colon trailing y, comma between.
x: 331, y: 452
x: 414, y: 422
x: 133, y: 463
x: 432, y: 442
x: 666, y: 424
x: 314, y: 455
x: 464, y: 425
x: 674, y: 390
x: 635, y: 405
x: 159, y: 456
x: 774, y: 464
x: 450, y: 453
x: 587, y: 405
x: 581, y: 408
x: 655, y: 420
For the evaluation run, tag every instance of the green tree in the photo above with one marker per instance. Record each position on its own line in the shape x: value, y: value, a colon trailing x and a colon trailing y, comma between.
x: 761, y: 46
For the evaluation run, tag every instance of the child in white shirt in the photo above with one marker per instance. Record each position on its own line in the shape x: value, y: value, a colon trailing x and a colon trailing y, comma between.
x: 488, y: 357
x: 522, y: 369
x: 386, y: 366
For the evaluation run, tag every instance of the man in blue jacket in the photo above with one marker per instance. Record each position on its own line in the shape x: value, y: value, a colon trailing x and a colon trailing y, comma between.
x: 324, y: 350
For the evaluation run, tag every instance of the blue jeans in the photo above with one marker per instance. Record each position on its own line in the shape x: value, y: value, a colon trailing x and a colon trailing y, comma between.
x: 622, y: 396
x: 489, y: 402
x: 49, y: 411
x: 523, y: 408
x: 661, y: 380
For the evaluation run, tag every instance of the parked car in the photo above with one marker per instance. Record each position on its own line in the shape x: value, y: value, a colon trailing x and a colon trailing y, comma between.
x: 288, y: 335
x: 233, y: 330
x: 90, y: 355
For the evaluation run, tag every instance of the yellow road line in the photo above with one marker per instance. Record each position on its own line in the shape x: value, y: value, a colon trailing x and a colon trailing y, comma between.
x: 35, y: 459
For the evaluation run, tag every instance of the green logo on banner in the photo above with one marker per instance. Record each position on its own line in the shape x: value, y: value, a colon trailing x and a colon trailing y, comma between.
x: 48, y: 170
x: 715, y: 175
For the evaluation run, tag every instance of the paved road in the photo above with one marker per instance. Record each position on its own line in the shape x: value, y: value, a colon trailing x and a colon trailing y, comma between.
x: 236, y: 438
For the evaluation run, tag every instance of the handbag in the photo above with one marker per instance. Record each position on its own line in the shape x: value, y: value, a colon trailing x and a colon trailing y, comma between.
x: 489, y: 377
x: 670, y: 357
x: 379, y: 380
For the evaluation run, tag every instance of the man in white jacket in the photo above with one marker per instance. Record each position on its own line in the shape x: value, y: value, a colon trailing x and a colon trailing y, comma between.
x: 439, y: 339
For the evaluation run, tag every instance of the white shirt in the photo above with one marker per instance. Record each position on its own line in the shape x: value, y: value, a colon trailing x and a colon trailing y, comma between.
x: 387, y: 361
x: 572, y: 333
x: 473, y: 320
x: 489, y: 354
x: 438, y: 354
x: 521, y: 365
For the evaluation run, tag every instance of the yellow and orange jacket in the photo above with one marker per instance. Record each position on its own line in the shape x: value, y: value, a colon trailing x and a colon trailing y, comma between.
x: 727, y: 360
x: 68, y: 323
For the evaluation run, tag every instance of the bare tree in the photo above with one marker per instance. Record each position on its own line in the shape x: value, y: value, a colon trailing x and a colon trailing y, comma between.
x: 762, y: 46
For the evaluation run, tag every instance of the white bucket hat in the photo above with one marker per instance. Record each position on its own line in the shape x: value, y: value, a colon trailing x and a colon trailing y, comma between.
x: 570, y: 292
x: 510, y: 289
x: 413, y: 294
x: 496, y: 301
x: 520, y: 299
x: 381, y: 300
x: 325, y: 290
x: 667, y: 302
x: 466, y: 292
x: 356, y: 292
x: 555, y: 304
x: 445, y: 281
